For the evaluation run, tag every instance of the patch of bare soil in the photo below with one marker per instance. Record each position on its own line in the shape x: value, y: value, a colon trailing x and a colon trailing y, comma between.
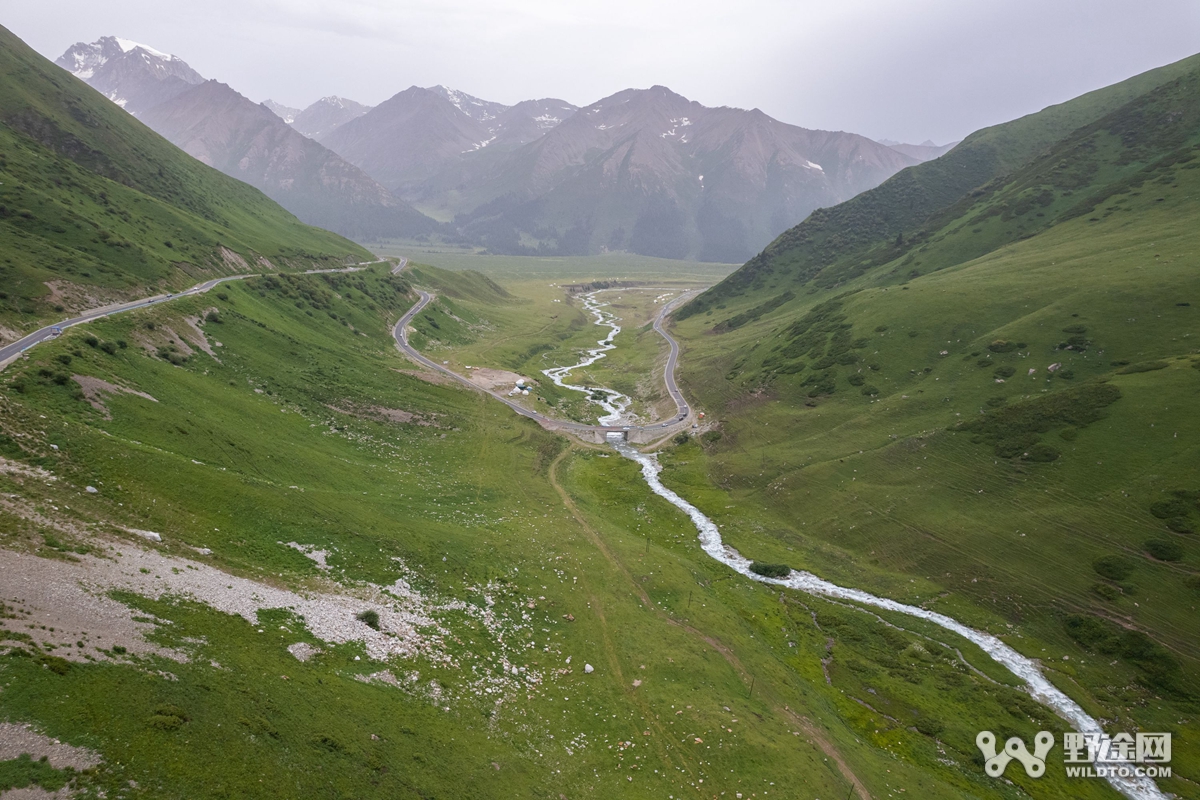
x: 233, y: 260
x: 385, y: 414
x: 79, y: 297
x: 17, y: 739
x: 9, y: 335
x: 94, y: 390
x: 45, y: 599
x: 429, y: 376
x: 201, y: 339
x: 494, y: 378
x: 69, y: 595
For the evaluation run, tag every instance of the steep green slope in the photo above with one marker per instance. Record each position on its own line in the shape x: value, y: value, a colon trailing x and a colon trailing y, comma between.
x: 100, y: 207
x: 835, y: 244
x: 997, y: 421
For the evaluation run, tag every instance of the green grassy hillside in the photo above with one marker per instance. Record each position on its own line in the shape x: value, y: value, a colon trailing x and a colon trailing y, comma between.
x: 836, y: 244
x: 994, y: 416
x: 100, y: 207
x: 526, y: 554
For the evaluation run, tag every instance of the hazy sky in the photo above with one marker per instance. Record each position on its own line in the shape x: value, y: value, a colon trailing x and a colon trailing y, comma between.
x: 912, y: 70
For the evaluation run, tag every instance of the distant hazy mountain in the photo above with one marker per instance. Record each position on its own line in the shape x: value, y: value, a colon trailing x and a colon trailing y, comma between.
x: 925, y: 151
x: 285, y: 113
x: 652, y: 172
x: 248, y: 141
x: 132, y: 75
x: 326, y: 115
x: 420, y: 134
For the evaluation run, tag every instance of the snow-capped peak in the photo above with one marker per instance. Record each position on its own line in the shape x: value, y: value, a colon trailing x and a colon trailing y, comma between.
x: 127, y: 44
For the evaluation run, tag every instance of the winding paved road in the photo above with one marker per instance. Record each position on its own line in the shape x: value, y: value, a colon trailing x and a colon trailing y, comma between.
x: 400, y: 332
x: 9, y: 352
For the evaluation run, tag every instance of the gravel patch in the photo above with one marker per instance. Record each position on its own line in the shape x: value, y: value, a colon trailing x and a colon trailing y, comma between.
x: 17, y: 739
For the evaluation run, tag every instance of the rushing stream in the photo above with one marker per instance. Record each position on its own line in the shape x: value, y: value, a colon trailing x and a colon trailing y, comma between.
x: 613, y: 402
x: 1042, y: 690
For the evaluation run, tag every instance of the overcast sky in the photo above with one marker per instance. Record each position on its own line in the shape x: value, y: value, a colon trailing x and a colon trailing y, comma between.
x: 915, y: 70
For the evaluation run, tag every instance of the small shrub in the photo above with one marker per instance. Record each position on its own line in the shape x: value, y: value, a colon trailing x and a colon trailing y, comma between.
x: 1169, y: 509
x: 996, y: 402
x: 1106, y: 592
x: 327, y: 742
x: 856, y: 380
x: 869, y: 390
x: 1004, y: 372
x: 1180, y: 525
x: 109, y: 347
x: 222, y: 296
x: 770, y: 570
x: 1014, y: 446
x: 1042, y: 453
x: 1164, y: 549
x: 1066, y: 374
x: 370, y: 618
x: 983, y: 362
x: 1145, y: 366
x: 1002, y: 346
x: 213, y: 316
x: 91, y: 341
x: 164, y: 722
x: 63, y: 359
x: 119, y: 649
x: 149, y: 325
x: 681, y: 438
x: 121, y: 343
x: 710, y: 437
x: 929, y: 726
x: 1114, y: 567
x: 1069, y: 434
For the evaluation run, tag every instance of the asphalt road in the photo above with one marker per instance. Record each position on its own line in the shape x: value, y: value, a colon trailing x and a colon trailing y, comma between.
x: 400, y: 332
x: 9, y: 352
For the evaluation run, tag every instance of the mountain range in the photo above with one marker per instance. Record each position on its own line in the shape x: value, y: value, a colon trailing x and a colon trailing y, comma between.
x: 644, y: 170
x: 212, y: 122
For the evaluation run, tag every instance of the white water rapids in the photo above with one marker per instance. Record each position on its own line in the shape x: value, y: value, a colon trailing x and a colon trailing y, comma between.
x: 1041, y: 689
x: 614, y: 403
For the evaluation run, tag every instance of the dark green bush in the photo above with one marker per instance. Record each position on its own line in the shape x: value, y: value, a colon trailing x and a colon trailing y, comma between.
x: 1167, y: 509
x: 1180, y: 525
x: 681, y: 438
x: 1114, y: 567
x: 1002, y: 346
x: 109, y: 347
x: 370, y: 618
x: 856, y: 379
x: 996, y: 402
x: 1042, y: 453
x: 91, y: 341
x: 1107, y: 592
x: 929, y: 726
x: 869, y: 390
x: 710, y: 437
x: 770, y: 570
x: 1004, y: 372
x: 1145, y: 366
x: 1164, y: 549
x: 63, y: 359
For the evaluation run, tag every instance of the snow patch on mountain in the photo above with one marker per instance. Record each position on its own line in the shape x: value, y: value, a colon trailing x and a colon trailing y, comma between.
x: 127, y: 45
